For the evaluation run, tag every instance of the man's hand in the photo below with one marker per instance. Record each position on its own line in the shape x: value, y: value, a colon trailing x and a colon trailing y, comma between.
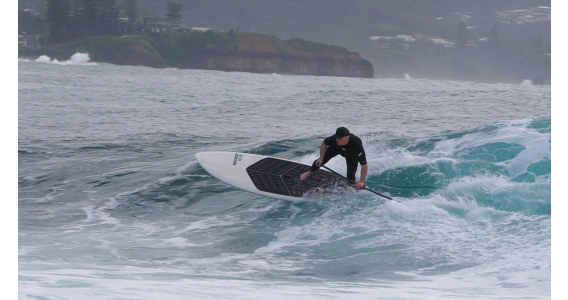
x: 319, y: 161
x: 360, y: 184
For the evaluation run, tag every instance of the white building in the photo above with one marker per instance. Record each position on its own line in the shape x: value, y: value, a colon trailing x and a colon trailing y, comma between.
x: 442, y: 42
x: 201, y: 29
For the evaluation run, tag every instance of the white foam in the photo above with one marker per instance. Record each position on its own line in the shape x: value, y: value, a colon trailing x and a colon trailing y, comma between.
x: 43, y: 59
x: 75, y: 59
x: 178, y: 242
x: 537, y: 145
x: 417, y: 209
x: 82, y: 284
x: 207, y: 223
x: 80, y: 58
x: 99, y: 216
x: 256, y: 263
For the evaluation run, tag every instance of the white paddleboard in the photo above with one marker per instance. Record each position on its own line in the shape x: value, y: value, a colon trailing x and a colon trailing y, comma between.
x: 269, y: 176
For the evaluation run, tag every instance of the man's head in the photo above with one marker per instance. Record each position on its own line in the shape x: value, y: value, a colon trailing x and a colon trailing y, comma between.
x: 342, y: 136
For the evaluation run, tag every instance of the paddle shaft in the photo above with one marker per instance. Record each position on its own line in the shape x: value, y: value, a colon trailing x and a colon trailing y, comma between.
x: 332, y: 171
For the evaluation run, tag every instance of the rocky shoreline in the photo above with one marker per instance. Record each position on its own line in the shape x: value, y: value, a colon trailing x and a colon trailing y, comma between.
x: 242, y: 52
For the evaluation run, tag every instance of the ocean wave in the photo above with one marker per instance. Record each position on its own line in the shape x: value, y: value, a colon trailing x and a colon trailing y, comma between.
x: 75, y: 59
x: 506, y: 165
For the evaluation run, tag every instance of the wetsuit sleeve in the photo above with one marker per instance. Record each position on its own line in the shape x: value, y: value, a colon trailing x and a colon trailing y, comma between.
x: 328, y: 140
x: 361, y: 157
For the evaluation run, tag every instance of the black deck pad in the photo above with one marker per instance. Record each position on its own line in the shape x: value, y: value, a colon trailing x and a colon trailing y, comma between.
x: 282, y: 177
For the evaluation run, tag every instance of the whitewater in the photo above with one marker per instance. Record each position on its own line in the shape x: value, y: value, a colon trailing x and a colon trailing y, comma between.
x: 112, y: 203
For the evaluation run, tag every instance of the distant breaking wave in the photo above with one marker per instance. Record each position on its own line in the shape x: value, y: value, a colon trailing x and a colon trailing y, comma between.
x: 76, y: 59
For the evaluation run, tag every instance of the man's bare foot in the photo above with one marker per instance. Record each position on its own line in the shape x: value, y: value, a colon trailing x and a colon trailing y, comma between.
x: 305, y: 175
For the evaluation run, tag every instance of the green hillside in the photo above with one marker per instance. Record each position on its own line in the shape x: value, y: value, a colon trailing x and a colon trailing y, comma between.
x: 226, y: 51
x: 523, y: 51
x: 338, y: 22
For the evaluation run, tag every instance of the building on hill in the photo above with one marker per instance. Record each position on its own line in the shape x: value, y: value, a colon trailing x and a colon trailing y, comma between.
x: 519, y: 16
x: 28, y: 41
x: 386, y: 42
x: 406, y: 38
x: 155, y: 24
x: 22, y: 42
x: 122, y: 25
x: 201, y: 29
x: 442, y: 43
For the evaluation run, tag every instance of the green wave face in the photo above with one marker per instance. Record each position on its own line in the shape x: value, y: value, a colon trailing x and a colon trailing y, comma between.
x: 506, y: 166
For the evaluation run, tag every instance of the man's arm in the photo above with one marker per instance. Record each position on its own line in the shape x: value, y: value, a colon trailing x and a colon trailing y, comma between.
x: 362, y: 157
x: 323, y: 147
x: 361, y: 181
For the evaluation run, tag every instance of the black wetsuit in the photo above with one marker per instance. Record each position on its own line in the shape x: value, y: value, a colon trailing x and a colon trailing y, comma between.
x: 353, y: 153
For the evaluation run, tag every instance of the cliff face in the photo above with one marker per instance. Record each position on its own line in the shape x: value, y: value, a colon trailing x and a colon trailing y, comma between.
x: 260, y: 53
x: 347, y: 66
x: 244, y: 52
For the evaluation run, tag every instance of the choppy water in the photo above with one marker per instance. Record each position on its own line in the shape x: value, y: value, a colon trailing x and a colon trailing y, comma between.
x: 113, y: 205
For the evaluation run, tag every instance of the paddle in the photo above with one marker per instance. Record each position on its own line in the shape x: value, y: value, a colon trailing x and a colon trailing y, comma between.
x: 332, y: 171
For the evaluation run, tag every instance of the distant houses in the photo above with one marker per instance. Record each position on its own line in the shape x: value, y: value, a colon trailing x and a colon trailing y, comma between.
x: 28, y: 41
x: 22, y: 42
x: 407, y: 41
x: 384, y: 42
x: 442, y: 43
x: 201, y: 29
x: 156, y: 24
x: 519, y: 16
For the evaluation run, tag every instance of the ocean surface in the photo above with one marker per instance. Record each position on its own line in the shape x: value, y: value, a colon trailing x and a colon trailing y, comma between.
x: 112, y: 203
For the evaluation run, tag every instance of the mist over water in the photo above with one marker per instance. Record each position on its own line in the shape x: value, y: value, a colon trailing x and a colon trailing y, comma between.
x: 113, y: 204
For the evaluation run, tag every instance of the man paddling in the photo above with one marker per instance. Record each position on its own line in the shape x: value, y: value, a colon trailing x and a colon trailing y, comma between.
x: 347, y: 145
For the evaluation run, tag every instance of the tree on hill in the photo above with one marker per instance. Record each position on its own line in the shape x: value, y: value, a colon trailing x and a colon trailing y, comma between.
x: 82, y: 18
x: 57, y: 18
x: 461, y: 38
x: 494, y: 40
x: 31, y: 24
x: 42, y: 9
x: 536, y: 44
x: 109, y: 17
x: 131, y: 11
x: 174, y: 10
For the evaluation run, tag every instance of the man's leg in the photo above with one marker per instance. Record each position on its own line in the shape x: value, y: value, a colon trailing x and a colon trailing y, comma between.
x: 329, y: 154
x: 352, y: 165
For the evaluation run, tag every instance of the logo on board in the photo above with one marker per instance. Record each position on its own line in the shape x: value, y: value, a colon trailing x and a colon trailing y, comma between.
x: 238, y: 157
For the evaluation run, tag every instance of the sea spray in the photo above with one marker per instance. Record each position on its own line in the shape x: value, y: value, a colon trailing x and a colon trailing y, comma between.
x: 526, y: 82
x: 43, y: 59
x: 76, y: 59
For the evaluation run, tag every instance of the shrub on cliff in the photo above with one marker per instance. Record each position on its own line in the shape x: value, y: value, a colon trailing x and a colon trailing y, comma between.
x: 175, y: 47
